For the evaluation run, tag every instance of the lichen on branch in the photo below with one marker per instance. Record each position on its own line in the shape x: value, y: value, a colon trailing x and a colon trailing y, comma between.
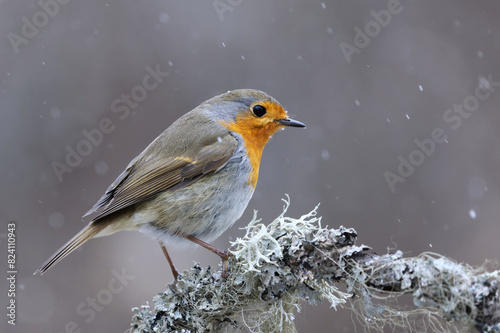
x: 276, y: 267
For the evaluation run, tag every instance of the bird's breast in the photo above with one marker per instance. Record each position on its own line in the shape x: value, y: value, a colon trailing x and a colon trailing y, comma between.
x: 205, y: 208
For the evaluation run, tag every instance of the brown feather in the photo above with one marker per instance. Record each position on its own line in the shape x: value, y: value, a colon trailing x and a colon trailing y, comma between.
x: 84, y: 235
x: 159, y: 174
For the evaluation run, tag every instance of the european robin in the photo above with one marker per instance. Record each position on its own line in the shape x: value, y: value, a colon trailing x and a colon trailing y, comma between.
x: 194, y: 180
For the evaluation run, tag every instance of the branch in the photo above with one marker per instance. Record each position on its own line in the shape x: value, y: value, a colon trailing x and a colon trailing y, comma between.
x: 278, y: 266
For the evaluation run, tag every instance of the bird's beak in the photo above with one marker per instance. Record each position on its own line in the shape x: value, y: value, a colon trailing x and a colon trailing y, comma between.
x: 290, y: 122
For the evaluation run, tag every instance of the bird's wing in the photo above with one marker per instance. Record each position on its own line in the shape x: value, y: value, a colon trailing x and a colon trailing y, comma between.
x: 144, y: 178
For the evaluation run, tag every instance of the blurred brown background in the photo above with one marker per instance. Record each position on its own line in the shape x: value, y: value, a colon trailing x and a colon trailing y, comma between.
x: 360, y: 115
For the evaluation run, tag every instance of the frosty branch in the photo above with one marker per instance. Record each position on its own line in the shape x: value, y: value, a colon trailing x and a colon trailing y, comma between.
x: 278, y: 266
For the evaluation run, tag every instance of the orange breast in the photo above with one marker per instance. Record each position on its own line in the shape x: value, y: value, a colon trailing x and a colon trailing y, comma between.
x: 255, y: 140
x: 254, y: 144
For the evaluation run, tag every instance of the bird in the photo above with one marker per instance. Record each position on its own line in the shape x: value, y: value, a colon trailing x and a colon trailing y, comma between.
x: 194, y: 180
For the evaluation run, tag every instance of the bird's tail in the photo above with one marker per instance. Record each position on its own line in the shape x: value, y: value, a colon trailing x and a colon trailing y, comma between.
x: 84, y: 235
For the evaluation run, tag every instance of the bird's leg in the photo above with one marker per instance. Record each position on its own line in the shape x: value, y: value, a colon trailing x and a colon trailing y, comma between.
x: 175, y: 273
x: 224, y: 255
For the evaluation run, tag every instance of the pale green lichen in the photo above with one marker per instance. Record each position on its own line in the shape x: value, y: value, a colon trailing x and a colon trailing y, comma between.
x: 256, y: 247
x: 450, y: 297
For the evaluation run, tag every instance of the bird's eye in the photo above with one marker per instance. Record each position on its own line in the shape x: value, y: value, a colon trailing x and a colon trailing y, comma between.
x: 259, y: 110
